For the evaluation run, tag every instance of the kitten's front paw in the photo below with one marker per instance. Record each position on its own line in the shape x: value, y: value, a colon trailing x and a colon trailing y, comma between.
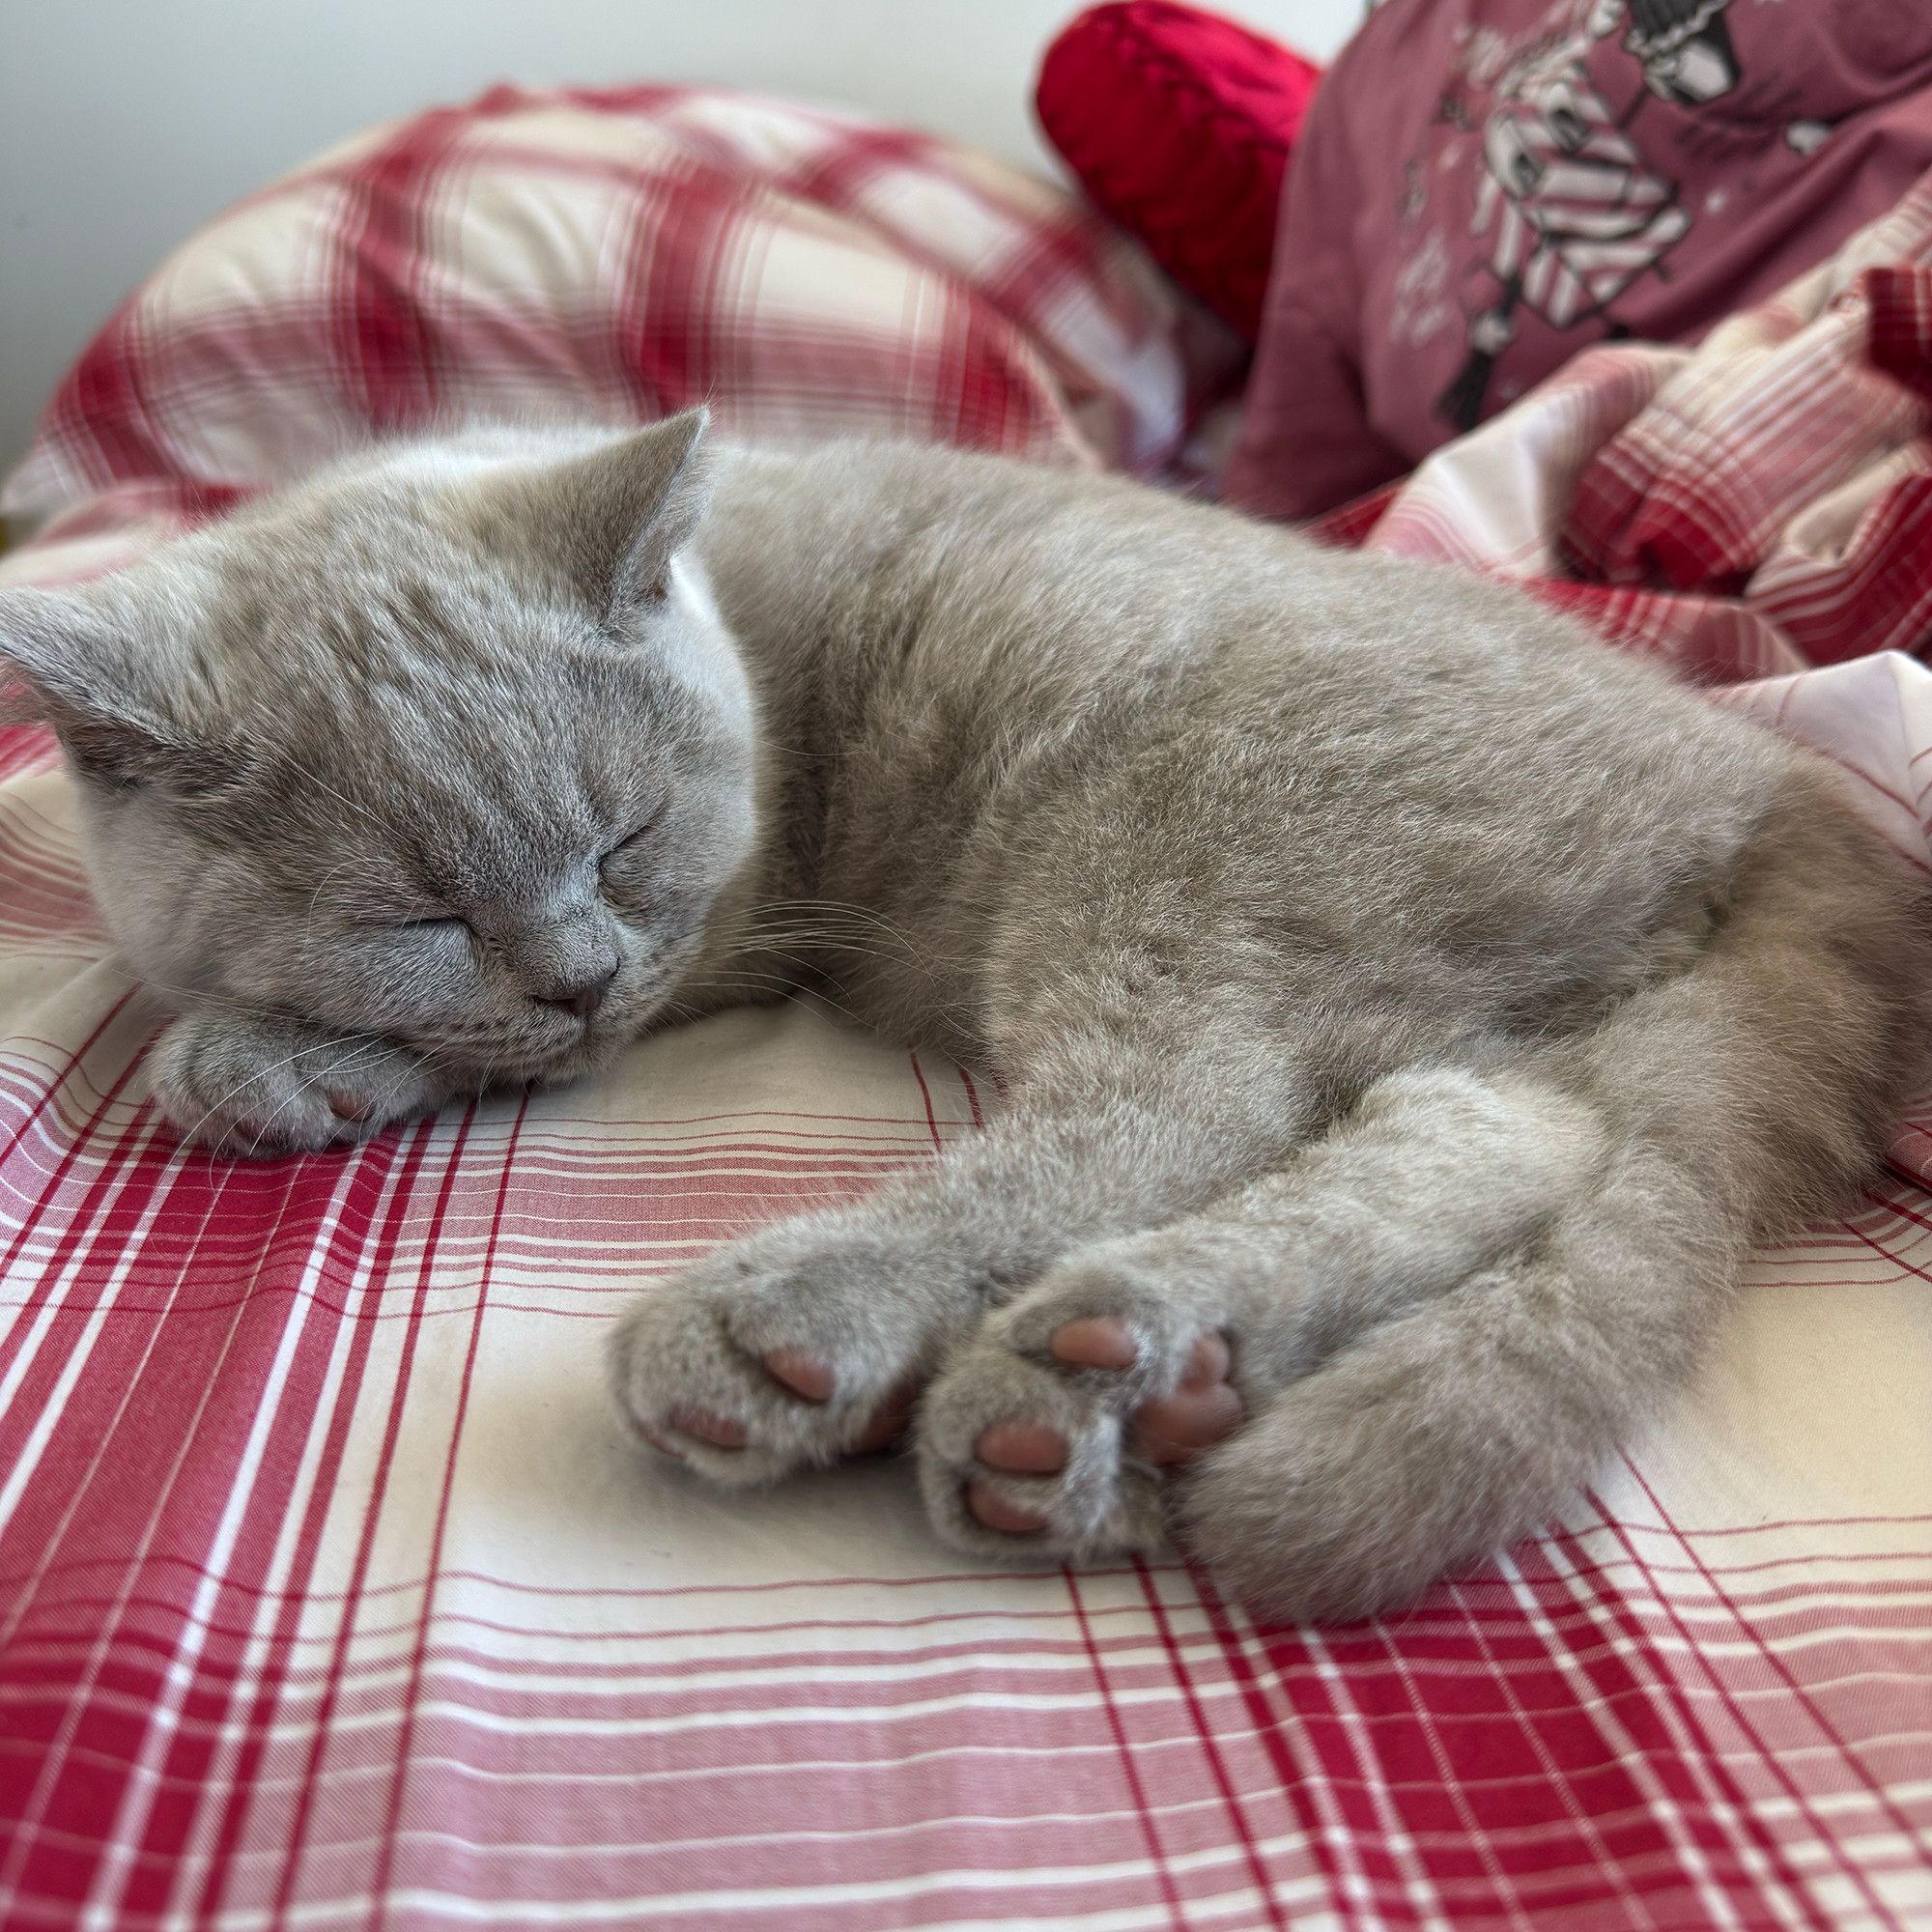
x: 1050, y: 1429
x: 264, y: 1086
x: 801, y: 1344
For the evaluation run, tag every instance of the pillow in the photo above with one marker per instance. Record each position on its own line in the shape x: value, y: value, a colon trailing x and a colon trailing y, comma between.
x: 619, y: 254
x: 1178, y: 124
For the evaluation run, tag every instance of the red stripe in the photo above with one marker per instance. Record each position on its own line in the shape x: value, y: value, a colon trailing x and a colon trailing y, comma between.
x: 235, y: 1400
x: 1210, y: 1749
x: 1780, y: 1668
x: 377, y: 1164
x: 1124, y: 1752
x: 378, y: 1493
x: 233, y: 1619
x: 157, y: 1400
x: 379, y: 1886
x: 1729, y: 1868
x: 925, y: 1094
x: 1357, y: 1832
x: 15, y: 1338
x: 390, y: 1158
x: 385, y: 342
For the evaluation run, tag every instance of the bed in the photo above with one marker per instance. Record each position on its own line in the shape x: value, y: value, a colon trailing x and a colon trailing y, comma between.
x: 330, y: 1592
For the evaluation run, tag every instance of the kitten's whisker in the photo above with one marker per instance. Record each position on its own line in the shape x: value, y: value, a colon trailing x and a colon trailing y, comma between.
x: 837, y: 944
x: 190, y: 996
x: 870, y: 914
x: 857, y: 942
x: 261, y: 1127
x: 343, y: 1065
x: 777, y: 986
x: 262, y: 1073
x: 836, y: 921
x: 308, y: 922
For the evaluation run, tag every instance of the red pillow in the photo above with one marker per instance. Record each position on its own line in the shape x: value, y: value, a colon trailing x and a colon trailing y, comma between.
x: 1178, y: 124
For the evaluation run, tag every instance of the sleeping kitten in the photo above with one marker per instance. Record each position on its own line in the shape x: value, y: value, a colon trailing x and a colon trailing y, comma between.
x: 1411, y: 1009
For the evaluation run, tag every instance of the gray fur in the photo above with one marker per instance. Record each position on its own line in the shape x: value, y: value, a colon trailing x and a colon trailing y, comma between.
x: 1385, y: 974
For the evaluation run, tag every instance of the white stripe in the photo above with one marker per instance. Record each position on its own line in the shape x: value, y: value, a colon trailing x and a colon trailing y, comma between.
x: 460, y: 1715
x: 1874, y: 1844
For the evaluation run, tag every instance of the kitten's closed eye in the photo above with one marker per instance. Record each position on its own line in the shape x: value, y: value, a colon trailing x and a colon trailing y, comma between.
x: 428, y: 923
x: 635, y: 838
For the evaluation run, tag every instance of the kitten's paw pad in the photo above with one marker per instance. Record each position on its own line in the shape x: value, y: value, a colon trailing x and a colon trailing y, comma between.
x: 1164, y: 1430
x: 992, y: 1511
x: 716, y: 1431
x: 806, y: 1376
x: 267, y: 1087
x: 783, y: 1352
x: 1016, y: 1453
x: 1053, y: 1426
x: 1204, y: 1410
x: 1022, y: 1448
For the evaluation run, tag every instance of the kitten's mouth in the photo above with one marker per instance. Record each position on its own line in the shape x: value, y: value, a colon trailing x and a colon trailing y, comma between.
x: 489, y: 1054
x: 497, y: 1061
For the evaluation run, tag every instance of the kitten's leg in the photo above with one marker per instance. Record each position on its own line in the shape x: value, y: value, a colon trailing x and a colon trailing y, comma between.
x: 783, y: 1350
x: 261, y: 1084
x: 1417, y: 1429
x: 1053, y: 1423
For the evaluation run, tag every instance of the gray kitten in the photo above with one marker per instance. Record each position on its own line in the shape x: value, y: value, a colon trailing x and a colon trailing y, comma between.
x: 1411, y: 1010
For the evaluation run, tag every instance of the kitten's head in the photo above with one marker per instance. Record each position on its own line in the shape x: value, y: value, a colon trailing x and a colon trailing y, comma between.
x: 448, y: 746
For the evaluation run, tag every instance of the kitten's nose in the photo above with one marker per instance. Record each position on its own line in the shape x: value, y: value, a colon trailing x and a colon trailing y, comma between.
x: 585, y: 997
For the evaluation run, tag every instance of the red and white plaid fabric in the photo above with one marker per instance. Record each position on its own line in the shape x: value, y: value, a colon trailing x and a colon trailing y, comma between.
x: 1759, y: 504
x: 621, y: 254
x: 331, y: 1594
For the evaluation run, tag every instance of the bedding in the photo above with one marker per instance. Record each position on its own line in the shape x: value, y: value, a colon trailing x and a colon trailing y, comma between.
x: 623, y: 253
x: 331, y: 1595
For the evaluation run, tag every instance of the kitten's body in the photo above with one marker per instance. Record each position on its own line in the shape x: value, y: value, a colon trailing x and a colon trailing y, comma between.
x: 1385, y: 976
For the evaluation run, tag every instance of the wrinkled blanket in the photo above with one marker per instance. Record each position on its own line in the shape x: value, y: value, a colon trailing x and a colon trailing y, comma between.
x: 331, y: 1595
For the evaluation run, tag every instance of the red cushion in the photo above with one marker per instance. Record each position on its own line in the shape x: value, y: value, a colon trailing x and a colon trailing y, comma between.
x: 1178, y: 124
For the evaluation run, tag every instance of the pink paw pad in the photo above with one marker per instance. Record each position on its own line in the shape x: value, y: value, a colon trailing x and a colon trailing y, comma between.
x: 811, y: 1380
x: 996, y: 1513
x: 1024, y: 1448
x: 807, y: 1377
x: 1172, y: 1430
x: 720, y: 1431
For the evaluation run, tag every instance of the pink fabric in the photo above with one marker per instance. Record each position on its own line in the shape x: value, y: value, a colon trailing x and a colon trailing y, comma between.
x: 1484, y: 188
x: 331, y: 1595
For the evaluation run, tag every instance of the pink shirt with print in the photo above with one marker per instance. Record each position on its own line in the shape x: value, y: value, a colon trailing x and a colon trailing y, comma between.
x: 1483, y: 188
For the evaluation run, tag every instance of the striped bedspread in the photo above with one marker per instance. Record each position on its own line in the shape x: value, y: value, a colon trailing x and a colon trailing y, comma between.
x: 331, y: 1595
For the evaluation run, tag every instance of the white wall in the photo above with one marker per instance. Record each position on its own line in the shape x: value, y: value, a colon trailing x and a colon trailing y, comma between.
x: 124, y: 124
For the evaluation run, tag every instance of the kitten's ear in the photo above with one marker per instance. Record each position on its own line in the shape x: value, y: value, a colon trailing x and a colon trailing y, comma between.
x: 75, y: 664
x: 628, y: 508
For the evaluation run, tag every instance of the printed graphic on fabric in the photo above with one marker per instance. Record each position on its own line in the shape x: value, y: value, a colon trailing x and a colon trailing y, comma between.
x: 1572, y: 211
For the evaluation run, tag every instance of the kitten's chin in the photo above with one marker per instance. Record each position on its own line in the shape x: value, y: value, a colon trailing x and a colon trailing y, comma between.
x: 590, y: 1052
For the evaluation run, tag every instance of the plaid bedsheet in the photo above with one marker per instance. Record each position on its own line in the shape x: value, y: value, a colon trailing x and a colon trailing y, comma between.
x: 331, y: 1594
